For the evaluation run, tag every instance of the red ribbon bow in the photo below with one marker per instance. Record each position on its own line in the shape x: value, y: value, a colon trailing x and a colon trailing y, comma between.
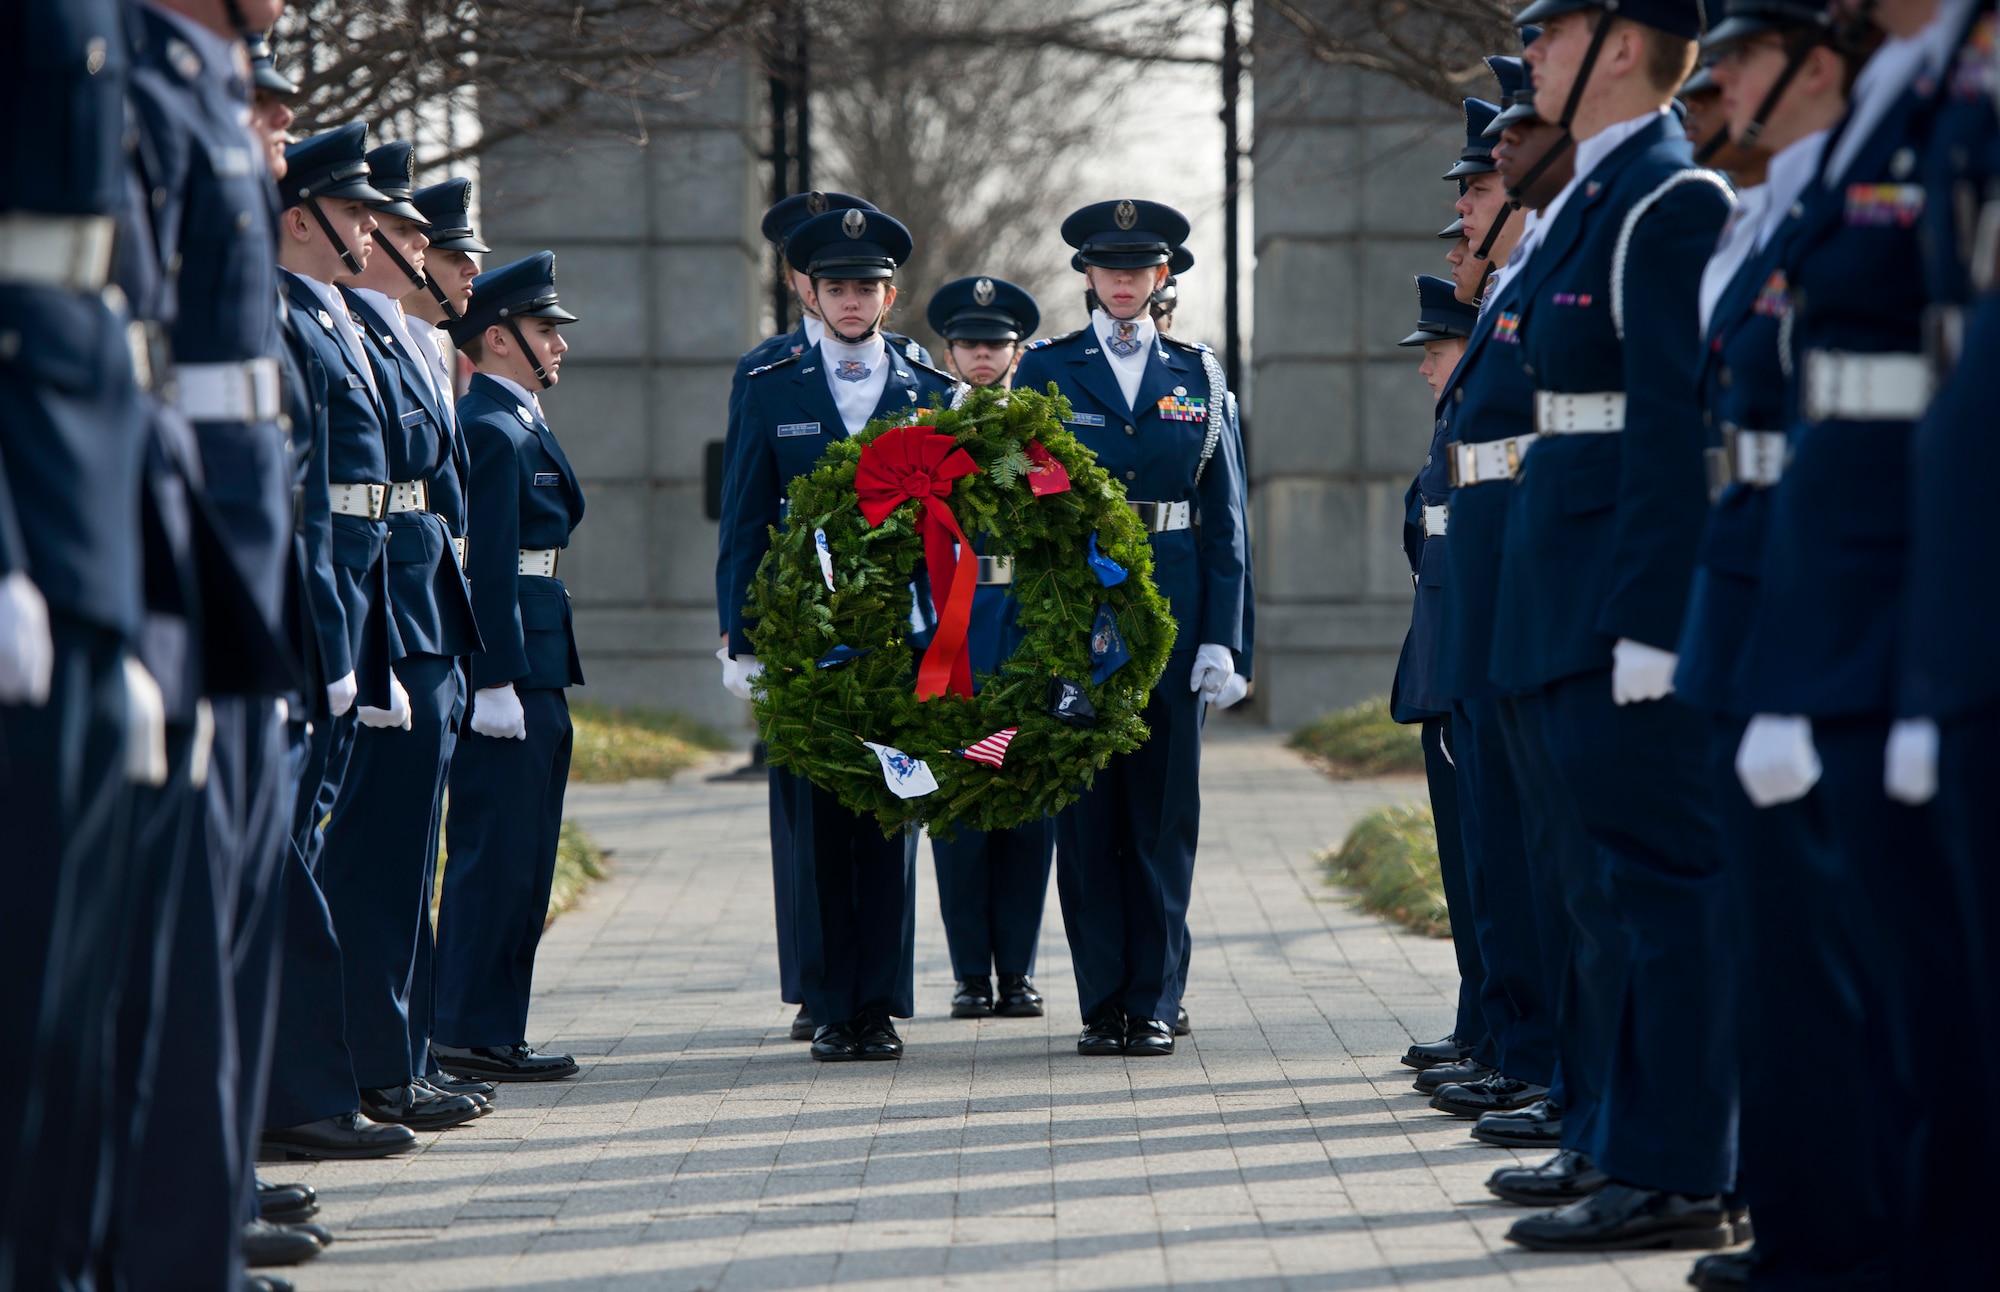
x: 917, y: 463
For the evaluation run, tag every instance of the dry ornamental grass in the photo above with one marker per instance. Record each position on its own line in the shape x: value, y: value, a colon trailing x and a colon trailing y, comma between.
x: 1390, y: 859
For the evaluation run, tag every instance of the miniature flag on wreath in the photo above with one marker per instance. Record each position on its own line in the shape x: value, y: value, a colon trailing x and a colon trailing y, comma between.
x: 993, y: 750
x: 1107, y: 646
x: 908, y: 778
x: 825, y: 557
x: 1045, y: 474
x: 1108, y: 572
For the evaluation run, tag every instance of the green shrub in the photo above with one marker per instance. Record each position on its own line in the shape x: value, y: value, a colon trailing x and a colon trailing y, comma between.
x: 1390, y: 859
x: 635, y: 744
x: 1361, y: 741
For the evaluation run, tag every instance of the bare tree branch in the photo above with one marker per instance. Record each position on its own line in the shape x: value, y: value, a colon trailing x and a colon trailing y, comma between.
x: 1434, y: 47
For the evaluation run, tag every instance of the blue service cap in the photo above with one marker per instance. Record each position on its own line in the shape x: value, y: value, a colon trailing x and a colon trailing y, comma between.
x: 851, y: 243
x: 787, y: 214
x: 1675, y: 17
x: 448, y: 206
x: 392, y: 172
x: 983, y: 309
x: 1125, y: 234
x: 1179, y: 261
x: 264, y: 73
x: 1699, y: 83
x: 1742, y: 19
x: 331, y: 164
x: 1477, y: 158
x: 1511, y: 73
x: 1440, y: 314
x: 521, y: 289
x: 1454, y: 231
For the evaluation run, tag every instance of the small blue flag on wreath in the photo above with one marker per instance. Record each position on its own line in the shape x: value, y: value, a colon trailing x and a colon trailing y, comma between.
x: 1108, y: 572
x: 1107, y: 646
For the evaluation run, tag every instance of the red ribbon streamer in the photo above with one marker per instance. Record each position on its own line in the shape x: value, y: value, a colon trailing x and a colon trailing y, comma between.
x: 916, y: 463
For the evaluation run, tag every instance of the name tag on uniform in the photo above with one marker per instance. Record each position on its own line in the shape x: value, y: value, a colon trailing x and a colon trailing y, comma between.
x: 1085, y: 419
x: 354, y: 382
x: 790, y: 429
x: 411, y: 419
x: 547, y: 478
x: 229, y: 163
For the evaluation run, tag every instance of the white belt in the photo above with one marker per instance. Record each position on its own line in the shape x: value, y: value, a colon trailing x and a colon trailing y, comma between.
x: 364, y: 500
x: 540, y: 561
x: 408, y: 495
x: 458, y: 546
x: 1487, y: 460
x: 1434, y: 520
x: 1840, y: 386
x: 1159, y: 517
x: 1755, y: 458
x: 227, y: 392
x: 1594, y: 413
x: 72, y: 252
x: 996, y: 570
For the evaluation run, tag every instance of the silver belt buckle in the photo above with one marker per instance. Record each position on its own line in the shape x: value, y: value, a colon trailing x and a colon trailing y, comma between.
x: 539, y: 561
x: 71, y: 252
x: 1436, y: 517
x: 458, y: 548
x: 408, y: 495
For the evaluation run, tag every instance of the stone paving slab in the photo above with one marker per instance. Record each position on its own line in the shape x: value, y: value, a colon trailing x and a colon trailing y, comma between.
x: 700, y: 1149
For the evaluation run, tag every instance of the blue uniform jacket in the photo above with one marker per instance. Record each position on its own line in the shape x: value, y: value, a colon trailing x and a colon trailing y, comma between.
x: 1246, y: 651
x: 1488, y: 398
x: 1199, y: 570
x: 1416, y: 693
x: 1830, y: 607
x: 1951, y: 618
x: 787, y: 421
x: 1602, y: 535
x: 524, y: 495
x: 427, y: 590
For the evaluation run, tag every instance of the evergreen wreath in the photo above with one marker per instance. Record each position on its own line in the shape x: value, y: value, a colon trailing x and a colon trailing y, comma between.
x: 839, y: 669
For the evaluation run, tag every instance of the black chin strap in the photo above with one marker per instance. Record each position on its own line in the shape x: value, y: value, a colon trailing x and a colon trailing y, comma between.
x: 541, y: 373
x: 347, y: 257
x: 438, y: 295
x: 1499, y: 223
x: 388, y: 248
x: 1796, y: 51
x: 1566, y: 140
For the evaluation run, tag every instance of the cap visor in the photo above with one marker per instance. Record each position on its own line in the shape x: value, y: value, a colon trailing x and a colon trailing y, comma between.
x: 556, y: 312
x: 1471, y: 166
x: 1519, y: 112
x: 1543, y: 10
x: 1123, y: 259
x: 273, y: 82
x: 457, y: 240
x: 356, y: 190
x: 403, y: 209
x: 980, y: 332
x: 1454, y: 230
x: 1739, y: 27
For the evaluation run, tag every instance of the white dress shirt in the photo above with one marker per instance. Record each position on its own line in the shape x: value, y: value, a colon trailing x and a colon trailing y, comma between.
x: 336, y: 305
x: 1130, y: 369
x: 856, y: 400
x: 1890, y: 71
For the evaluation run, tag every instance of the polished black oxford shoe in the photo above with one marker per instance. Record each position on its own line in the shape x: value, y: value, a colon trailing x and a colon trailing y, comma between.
x: 1723, y: 1271
x: 1103, y: 1035
x: 286, y: 1204
x: 1626, y: 1218
x: 417, y: 1106
x: 459, y: 1085
x: 1740, y: 1228
x: 973, y: 999
x: 267, y: 1244
x: 1432, y: 1054
x: 836, y: 1043
x: 480, y: 1103
x: 1148, y: 1038
x: 875, y: 1036
x: 803, y: 1026
x: 1538, y: 1126
x: 1018, y: 997
x: 1181, y: 1026
x: 1494, y: 1094
x: 1444, y: 1074
x: 265, y: 1283
x: 1564, y: 1178
x: 504, y: 1063
x: 348, y: 1135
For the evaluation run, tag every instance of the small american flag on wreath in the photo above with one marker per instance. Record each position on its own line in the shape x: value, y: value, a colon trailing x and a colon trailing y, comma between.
x: 993, y: 750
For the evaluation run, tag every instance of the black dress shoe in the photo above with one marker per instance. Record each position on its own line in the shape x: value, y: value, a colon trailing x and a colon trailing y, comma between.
x: 418, y: 1107
x: 266, y: 1283
x: 267, y: 1244
x: 286, y: 1204
x: 1181, y: 1026
x: 349, y: 1135
x: 1626, y: 1218
x: 480, y: 1103
x: 1445, y: 1074
x: 1740, y: 1228
x: 1148, y: 1038
x: 973, y: 999
x: 803, y: 1026
x: 1018, y: 997
x: 1494, y: 1094
x: 836, y: 1043
x: 459, y: 1085
x: 503, y: 1063
x: 1432, y: 1054
x: 1567, y: 1176
x: 875, y: 1036
x: 1723, y: 1271
x: 1103, y: 1035
x: 1539, y: 1126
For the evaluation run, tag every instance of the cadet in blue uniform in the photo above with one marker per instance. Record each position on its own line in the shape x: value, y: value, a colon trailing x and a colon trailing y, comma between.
x: 992, y: 885
x: 1598, y: 557
x: 510, y: 772
x: 854, y: 904
x: 1153, y: 410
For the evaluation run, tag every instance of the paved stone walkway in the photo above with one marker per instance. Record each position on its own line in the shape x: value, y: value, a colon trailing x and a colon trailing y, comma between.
x: 701, y: 1149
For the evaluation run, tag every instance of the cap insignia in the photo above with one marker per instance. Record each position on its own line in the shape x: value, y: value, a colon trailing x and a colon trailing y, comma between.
x: 1125, y: 215
x: 815, y: 203
x: 854, y: 224
x: 982, y: 291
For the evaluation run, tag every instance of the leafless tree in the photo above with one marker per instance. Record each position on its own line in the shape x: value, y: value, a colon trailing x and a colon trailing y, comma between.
x: 1434, y: 47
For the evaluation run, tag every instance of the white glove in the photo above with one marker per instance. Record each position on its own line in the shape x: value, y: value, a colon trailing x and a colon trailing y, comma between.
x: 145, y: 726
x: 1640, y: 672
x: 1910, y: 763
x: 1233, y: 690
x: 398, y: 712
x: 340, y: 695
x: 27, y: 654
x: 738, y: 671
x: 1776, y: 761
x: 1213, y: 667
x: 496, y: 712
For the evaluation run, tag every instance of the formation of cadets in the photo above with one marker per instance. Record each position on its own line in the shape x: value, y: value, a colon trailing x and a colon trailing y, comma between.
x: 1700, y: 627
x: 280, y: 518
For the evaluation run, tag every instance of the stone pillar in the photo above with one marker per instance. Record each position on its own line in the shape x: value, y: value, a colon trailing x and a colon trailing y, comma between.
x: 1347, y: 202
x: 657, y: 251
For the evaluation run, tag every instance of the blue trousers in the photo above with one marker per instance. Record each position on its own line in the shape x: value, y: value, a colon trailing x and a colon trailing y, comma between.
x: 423, y: 972
x: 855, y: 910
x: 1469, y: 1024
x: 501, y: 833
x: 992, y: 886
x: 1514, y: 999
x: 784, y: 790
x: 1125, y: 861
x: 1657, y: 1008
